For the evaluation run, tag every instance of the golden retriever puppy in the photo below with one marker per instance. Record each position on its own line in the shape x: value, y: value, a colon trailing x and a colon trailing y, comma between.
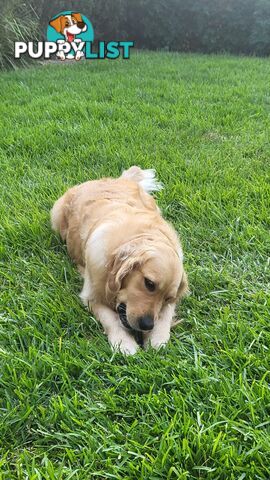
x: 129, y: 256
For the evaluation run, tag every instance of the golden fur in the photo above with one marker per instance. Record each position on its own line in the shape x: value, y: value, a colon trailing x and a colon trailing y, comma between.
x: 117, y: 237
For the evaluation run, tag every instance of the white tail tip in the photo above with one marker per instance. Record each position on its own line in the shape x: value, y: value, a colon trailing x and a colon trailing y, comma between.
x: 145, y: 178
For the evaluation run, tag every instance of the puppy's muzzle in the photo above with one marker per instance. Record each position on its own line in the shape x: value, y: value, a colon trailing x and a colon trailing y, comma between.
x: 146, y: 322
x: 81, y: 25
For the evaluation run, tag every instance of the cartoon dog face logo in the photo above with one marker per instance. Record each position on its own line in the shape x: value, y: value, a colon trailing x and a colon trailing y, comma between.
x: 69, y: 26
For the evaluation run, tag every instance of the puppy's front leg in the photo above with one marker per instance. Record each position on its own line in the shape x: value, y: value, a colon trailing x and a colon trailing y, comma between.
x: 160, y: 335
x: 119, y: 338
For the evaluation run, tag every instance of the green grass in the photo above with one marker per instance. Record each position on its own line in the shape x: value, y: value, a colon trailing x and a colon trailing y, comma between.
x: 69, y: 408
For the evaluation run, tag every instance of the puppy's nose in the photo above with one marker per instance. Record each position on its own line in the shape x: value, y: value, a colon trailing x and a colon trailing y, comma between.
x: 146, y: 322
x: 80, y: 24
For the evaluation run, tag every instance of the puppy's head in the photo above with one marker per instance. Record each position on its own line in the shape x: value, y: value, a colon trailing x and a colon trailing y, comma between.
x: 144, y: 277
x: 69, y: 25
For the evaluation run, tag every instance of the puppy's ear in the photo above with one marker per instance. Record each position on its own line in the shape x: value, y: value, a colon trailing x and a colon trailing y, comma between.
x: 123, y: 261
x: 57, y: 24
x: 114, y: 281
x: 77, y: 16
x: 183, y: 287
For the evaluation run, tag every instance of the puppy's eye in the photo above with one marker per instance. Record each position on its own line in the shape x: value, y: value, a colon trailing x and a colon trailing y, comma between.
x: 149, y: 285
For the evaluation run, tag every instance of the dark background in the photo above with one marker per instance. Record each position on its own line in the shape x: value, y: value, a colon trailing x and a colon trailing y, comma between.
x: 208, y: 26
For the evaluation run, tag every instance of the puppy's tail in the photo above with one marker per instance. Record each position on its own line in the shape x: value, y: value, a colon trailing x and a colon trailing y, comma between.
x: 145, y: 178
x: 59, y: 213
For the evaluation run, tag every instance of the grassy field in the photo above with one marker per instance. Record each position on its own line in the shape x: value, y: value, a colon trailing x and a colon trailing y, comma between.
x: 199, y: 409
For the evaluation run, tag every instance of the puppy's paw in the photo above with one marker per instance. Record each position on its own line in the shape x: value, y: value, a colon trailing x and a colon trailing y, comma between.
x: 125, y: 344
x: 79, y: 55
x: 61, y: 55
x: 157, y: 341
x: 128, y: 349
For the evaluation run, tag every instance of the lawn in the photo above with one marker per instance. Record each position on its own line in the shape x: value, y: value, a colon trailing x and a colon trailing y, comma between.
x: 199, y: 409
